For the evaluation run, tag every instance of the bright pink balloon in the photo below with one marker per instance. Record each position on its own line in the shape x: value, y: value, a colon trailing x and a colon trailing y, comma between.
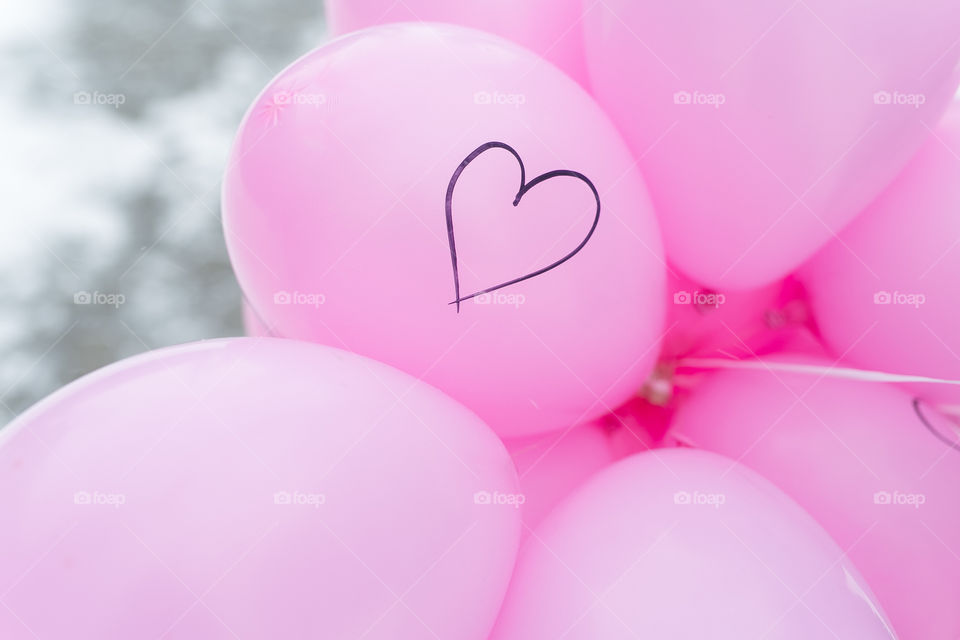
x: 255, y: 489
x: 879, y: 473
x: 551, y: 28
x: 684, y: 545
x: 764, y: 126
x: 552, y: 466
x: 340, y: 232
x: 885, y: 293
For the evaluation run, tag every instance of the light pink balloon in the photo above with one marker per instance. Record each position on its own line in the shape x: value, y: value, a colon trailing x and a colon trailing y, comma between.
x: 255, y: 489
x: 763, y: 127
x: 551, y: 28
x: 334, y: 210
x: 885, y: 293
x: 553, y: 465
x: 880, y: 477
x: 684, y: 545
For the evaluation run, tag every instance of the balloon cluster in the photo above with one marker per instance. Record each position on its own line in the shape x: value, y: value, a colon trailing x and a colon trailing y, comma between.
x: 619, y: 320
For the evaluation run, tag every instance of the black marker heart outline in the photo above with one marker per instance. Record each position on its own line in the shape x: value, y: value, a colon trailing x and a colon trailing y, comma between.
x: 936, y: 432
x: 524, y: 188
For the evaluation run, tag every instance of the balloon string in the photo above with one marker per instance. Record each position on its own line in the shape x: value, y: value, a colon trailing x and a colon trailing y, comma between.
x: 810, y: 369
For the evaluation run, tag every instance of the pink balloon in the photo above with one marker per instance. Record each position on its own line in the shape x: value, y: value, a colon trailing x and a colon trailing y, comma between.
x: 340, y: 232
x: 885, y: 293
x: 552, y: 466
x: 551, y: 28
x: 763, y: 127
x: 684, y: 545
x: 256, y: 489
x: 879, y: 473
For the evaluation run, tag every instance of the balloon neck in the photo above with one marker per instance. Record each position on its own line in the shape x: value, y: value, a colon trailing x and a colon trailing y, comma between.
x: 658, y: 388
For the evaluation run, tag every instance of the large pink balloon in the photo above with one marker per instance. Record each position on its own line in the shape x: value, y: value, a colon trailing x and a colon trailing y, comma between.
x: 684, y: 545
x: 551, y: 28
x: 371, y: 184
x: 254, y: 489
x: 553, y: 465
x: 885, y: 293
x: 764, y: 126
x: 878, y: 471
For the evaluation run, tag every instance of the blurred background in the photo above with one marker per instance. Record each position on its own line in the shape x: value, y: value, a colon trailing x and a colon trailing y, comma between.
x: 116, y: 118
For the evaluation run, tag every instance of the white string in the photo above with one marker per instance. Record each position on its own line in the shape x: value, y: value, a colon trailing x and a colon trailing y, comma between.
x: 793, y: 367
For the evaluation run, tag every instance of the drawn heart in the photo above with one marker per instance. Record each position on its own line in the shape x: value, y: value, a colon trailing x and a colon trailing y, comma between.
x: 524, y: 188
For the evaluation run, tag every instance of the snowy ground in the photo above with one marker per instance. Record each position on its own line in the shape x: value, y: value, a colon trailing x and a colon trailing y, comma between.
x: 116, y: 117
